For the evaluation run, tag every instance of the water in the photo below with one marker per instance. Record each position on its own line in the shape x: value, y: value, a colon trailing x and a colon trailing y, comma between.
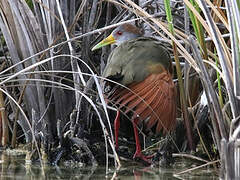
x: 14, y: 166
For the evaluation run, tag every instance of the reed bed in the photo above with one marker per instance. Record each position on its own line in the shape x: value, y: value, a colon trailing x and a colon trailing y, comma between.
x: 50, y: 80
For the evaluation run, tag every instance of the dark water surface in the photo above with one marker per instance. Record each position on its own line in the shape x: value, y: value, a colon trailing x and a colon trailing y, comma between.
x: 14, y: 166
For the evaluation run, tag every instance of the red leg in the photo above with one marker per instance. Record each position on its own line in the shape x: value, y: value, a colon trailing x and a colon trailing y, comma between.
x: 138, y: 153
x: 116, y: 128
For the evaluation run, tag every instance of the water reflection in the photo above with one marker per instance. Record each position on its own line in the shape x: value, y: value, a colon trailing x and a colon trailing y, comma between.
x: 14, y: 166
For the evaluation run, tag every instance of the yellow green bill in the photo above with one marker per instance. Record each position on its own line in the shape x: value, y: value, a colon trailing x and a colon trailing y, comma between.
x: 109, y: 40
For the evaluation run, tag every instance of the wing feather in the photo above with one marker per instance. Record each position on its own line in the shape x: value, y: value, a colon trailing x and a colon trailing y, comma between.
x: 156, y: 105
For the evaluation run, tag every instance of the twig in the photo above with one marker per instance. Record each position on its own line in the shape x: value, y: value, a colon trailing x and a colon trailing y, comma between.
x: 195, y: 168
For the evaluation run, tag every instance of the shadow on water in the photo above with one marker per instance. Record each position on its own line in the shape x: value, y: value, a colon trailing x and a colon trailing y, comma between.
x: 14, y: 166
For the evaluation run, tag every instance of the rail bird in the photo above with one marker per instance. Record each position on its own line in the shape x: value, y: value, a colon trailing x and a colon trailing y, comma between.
x: 143, y: 65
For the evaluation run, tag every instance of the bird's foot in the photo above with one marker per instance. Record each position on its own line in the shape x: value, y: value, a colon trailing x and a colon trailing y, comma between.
x: 145, y: 159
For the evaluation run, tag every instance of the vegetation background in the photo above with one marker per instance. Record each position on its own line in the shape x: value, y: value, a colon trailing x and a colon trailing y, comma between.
x: 50, y: 80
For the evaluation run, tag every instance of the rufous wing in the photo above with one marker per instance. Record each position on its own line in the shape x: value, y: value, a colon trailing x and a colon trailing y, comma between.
x: 152, y: 101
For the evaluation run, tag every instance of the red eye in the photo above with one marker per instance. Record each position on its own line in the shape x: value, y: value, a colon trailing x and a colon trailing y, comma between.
x: 119, y: 33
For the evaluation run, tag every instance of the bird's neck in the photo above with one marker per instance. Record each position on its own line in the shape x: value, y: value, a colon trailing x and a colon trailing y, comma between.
x: 127, y: 37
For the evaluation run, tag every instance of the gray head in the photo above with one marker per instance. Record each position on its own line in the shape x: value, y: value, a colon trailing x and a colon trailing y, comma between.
x: 121, y: 34
x: 126, y: 32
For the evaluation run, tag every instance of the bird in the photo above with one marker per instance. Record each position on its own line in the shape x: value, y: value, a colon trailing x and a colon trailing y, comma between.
x: 144, y: 66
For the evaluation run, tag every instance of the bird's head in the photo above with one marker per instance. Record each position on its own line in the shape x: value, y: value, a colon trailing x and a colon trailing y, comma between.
x: 119, y: 35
